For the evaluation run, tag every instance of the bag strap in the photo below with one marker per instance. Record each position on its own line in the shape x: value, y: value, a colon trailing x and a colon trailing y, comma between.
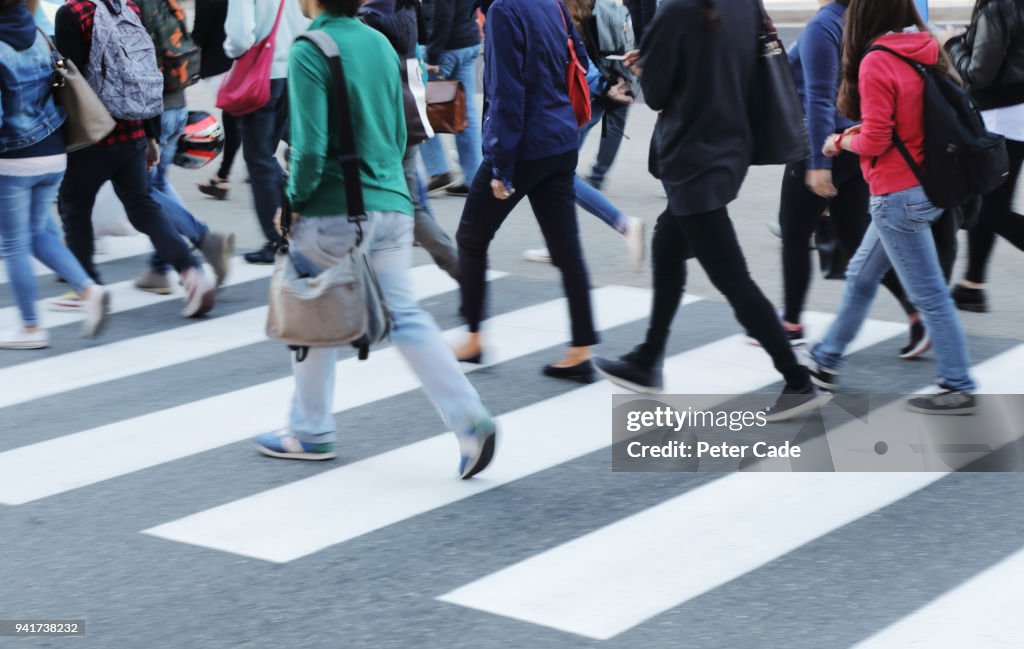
x: 277, y: 21
x: 896, y: 140
x: 348, y: 157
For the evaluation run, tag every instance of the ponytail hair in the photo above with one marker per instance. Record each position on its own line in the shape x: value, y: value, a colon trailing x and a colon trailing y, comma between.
x: 709, y: 16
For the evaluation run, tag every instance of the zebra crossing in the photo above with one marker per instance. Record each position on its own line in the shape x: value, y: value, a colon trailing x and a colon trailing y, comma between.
x: 127, y: 463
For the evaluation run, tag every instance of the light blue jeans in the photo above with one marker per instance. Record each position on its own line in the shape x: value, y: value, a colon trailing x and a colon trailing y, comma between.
x: 900, y: 236
x: 172, y: 125
x: 459, y: 65
x: 28, y: 230
x: 319, y: 242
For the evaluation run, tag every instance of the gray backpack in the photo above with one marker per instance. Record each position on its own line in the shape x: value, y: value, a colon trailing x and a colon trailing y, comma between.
x: 122, y: 63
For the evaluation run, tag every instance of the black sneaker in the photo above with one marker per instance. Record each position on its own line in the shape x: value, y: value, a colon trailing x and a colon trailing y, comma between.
x: 918, y: 343
x: 630, y: 374
x: 944, y: 402
x: 970, y: 299
x: 821, y: 377
x: 458, y: 190
x: 793, y: 403
x: 439, y: 183
x: 264, y: 255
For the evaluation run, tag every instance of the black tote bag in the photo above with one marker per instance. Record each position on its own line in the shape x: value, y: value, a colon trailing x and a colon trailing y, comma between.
x: 776, y: 116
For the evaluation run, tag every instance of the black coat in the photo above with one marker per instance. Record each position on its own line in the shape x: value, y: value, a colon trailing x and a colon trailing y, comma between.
x: 452, y: 26
x: 208, y: 33
x: 400, y: 22
x: 990, y: 56
x: 700, y: 82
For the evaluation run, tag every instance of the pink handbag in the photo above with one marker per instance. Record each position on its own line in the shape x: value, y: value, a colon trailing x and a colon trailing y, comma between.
x: 246, y: 88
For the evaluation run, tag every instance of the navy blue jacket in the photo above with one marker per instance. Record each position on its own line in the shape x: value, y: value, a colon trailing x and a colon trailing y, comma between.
x: 527, y: 113
x: 817, y: 63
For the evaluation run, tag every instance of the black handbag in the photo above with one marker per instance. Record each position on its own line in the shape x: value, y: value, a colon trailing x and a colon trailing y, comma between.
x: 776, y: 116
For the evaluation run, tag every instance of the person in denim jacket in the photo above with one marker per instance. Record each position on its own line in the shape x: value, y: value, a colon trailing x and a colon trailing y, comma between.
x: 32, y: 163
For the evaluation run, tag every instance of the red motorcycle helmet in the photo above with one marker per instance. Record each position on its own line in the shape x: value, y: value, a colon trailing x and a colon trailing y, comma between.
x: 201, y: 141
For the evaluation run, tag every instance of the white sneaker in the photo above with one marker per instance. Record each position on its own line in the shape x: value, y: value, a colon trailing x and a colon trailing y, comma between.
x: 96, y: 307
x: 634, y: 236
x: 70, y: 301
x: 199, y: 293
x: 539, y: 255
x: 21, y: 339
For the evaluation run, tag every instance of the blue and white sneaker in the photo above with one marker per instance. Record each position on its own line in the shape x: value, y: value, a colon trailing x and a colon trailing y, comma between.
x: 477, y: 448
x: 284, y: 445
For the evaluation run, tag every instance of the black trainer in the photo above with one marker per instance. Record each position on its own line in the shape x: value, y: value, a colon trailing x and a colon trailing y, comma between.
x: 793, y: 403
x: 630, y: 374
x: 970, y: 299
x: 461, y: 190
x: 944, y: 402
x: 581, y: 373
x: 918, y: 343
x: 439, y: 183
x: 821, y: 377
x: 264, y: 255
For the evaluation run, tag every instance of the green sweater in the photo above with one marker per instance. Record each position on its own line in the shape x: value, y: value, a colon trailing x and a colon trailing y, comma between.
x: 316, y: 186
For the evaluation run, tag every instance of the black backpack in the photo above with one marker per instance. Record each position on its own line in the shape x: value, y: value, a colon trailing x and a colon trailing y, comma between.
x: 962, y: 159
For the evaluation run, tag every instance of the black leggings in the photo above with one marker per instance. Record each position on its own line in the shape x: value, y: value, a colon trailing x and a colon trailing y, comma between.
x: 232, y: 142
x: 997, y: 217
x: 712, y: 237
x: 799, y: 215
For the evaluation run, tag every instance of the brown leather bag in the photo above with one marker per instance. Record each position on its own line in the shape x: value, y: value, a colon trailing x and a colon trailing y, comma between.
x: 446, y: 106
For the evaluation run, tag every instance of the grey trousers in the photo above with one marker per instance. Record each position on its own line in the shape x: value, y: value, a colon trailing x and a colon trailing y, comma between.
x: 426, y: 230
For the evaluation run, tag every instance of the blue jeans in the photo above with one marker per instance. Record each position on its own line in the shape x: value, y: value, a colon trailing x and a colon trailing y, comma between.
x: 900, y: 237
x: 611, y: 138
x: 459, y: 65
x: 172, y: 125
x: 319, y: 242
x: 29, y: 230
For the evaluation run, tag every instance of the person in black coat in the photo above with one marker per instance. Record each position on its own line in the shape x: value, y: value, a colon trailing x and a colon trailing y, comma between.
x: 696, y: 66
x: 208, y: 34
x: 990, y: 60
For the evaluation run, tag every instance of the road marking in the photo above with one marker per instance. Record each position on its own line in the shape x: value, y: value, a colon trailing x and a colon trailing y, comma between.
x: 301, y: 518
x: 114, y: 248
x: 73, y: 461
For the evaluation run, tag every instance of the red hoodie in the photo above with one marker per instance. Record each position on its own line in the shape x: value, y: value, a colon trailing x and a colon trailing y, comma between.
x: 891, y: 97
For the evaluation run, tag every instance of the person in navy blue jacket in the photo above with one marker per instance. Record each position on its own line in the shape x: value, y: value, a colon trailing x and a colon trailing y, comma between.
x: 815, y: 185
x: 530, y: 145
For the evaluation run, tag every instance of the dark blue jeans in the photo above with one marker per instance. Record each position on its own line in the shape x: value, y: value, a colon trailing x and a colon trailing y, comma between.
x: 611, y: 138
x: 262, y: 131
x: 548, y: 183
x: 125, y: 166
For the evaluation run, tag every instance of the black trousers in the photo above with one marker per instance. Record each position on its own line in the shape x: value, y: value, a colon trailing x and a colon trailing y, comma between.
x: 125, y: 166
x: 997, y: 217
x: 713, y: 239
x: 232, y: 142
x: 549, y: 184
x: 801, y: 211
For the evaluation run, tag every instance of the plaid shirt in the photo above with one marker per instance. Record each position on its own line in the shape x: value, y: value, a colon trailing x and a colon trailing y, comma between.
x: 84, y: 11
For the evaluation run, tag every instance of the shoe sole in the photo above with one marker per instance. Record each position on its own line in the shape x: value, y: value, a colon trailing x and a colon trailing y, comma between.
x: 629, y: 385
x: 973, y: 308
x: 803, y: 408
x: 205, y: 305
x: 219, y: 194
x: 67, y: 309
x: 97, y: 329
x: 918, y: 351
x: 823, y: 384
x: 585, y: 380
x: 260, y: 263
x: 314, y: 457
x: 25, y: 345
x: 440, y: 190
x: 156, y: 291
x: 955, y: 412
x: 486, y: 455
x: 793, y: 342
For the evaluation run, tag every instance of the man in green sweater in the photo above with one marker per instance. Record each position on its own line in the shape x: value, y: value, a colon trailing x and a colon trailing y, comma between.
x: 321, y: 234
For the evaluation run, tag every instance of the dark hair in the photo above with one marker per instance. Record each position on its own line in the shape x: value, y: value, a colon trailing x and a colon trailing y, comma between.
x: 339, y: 7
x: 7, y: 6
x: 709, y: 16
x: 866, y: 20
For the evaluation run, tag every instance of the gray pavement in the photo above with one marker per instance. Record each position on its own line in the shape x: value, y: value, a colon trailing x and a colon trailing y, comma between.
x: 79, y: 552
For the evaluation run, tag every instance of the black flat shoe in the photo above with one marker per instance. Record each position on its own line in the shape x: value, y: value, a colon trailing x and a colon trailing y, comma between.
x: 474, y: 360
x: 582, y: 373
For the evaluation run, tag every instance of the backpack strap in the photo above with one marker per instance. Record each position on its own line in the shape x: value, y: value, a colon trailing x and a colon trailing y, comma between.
x: 347, y: 155
x: 896, y: 140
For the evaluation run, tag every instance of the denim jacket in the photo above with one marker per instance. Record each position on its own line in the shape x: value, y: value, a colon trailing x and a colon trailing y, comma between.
x: 27, y: 111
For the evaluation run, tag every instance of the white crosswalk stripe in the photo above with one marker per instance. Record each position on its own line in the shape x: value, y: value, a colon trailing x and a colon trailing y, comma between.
x: 113, y: 248
x: 601, y: 580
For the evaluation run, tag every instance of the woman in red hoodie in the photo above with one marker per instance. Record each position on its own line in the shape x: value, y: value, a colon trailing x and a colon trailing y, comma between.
x: 885, y: 93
